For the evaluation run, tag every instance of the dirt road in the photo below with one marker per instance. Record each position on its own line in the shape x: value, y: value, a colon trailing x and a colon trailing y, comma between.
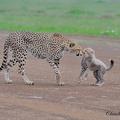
x: 47, y: 101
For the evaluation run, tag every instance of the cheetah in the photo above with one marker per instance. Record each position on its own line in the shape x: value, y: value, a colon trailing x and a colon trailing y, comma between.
x: 43, y: 46
x: 90, y: 62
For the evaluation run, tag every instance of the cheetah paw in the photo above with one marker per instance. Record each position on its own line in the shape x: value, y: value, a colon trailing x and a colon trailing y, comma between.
x: 30, y: 83
x: 61, y: 84
x: 79, y: 81
x: 9, y: 82
x: 85, y: 79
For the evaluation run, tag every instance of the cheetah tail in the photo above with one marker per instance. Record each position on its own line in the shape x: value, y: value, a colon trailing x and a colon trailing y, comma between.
x: 111, y: 65
x: 5, y: 56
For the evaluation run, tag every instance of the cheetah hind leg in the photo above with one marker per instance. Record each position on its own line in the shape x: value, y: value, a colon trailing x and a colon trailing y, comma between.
x: 29, y: 82
x: 21, y: 70
x: 11, y: 63
x: 99, y: 77
x: 6, y: 77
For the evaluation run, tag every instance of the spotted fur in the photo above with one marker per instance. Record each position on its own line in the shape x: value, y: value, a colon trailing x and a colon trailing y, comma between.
x: 44, y: 46
x: 90, y: 62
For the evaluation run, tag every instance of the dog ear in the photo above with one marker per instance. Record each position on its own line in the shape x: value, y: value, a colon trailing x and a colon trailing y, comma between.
x: 72, y: 45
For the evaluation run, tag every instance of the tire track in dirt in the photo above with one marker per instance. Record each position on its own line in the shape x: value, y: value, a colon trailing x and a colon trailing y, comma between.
x: 56, y: 109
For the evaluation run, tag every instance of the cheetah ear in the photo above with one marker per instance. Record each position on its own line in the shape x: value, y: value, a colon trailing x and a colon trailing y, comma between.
x: 57, y: 35
x: 72, y: 45
x: 93, y: 52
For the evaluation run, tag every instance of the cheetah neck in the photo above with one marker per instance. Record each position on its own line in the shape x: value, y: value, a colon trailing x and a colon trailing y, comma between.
x: 66, y: 43
x: 93, y: 56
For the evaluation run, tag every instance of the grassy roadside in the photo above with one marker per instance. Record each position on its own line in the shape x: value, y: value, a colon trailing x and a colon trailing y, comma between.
x: 93, y: 17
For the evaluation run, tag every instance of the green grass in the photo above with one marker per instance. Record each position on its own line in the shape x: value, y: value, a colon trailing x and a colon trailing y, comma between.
x: 92, y: 17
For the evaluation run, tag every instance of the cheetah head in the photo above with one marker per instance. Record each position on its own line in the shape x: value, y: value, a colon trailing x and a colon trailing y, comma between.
x: 88, y: 52
x: 75, y: 48
x: 67, y: 44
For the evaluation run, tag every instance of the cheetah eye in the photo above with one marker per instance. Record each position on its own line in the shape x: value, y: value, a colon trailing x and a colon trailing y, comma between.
x: 72, y: 45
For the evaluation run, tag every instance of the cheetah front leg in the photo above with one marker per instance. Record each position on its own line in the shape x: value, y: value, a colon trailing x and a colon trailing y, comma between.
x: 85, y: 75
x: 57, y: 73
x: 81, y: 74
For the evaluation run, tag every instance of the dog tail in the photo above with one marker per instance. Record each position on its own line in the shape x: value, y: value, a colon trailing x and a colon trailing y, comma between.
x: 111, y: 65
